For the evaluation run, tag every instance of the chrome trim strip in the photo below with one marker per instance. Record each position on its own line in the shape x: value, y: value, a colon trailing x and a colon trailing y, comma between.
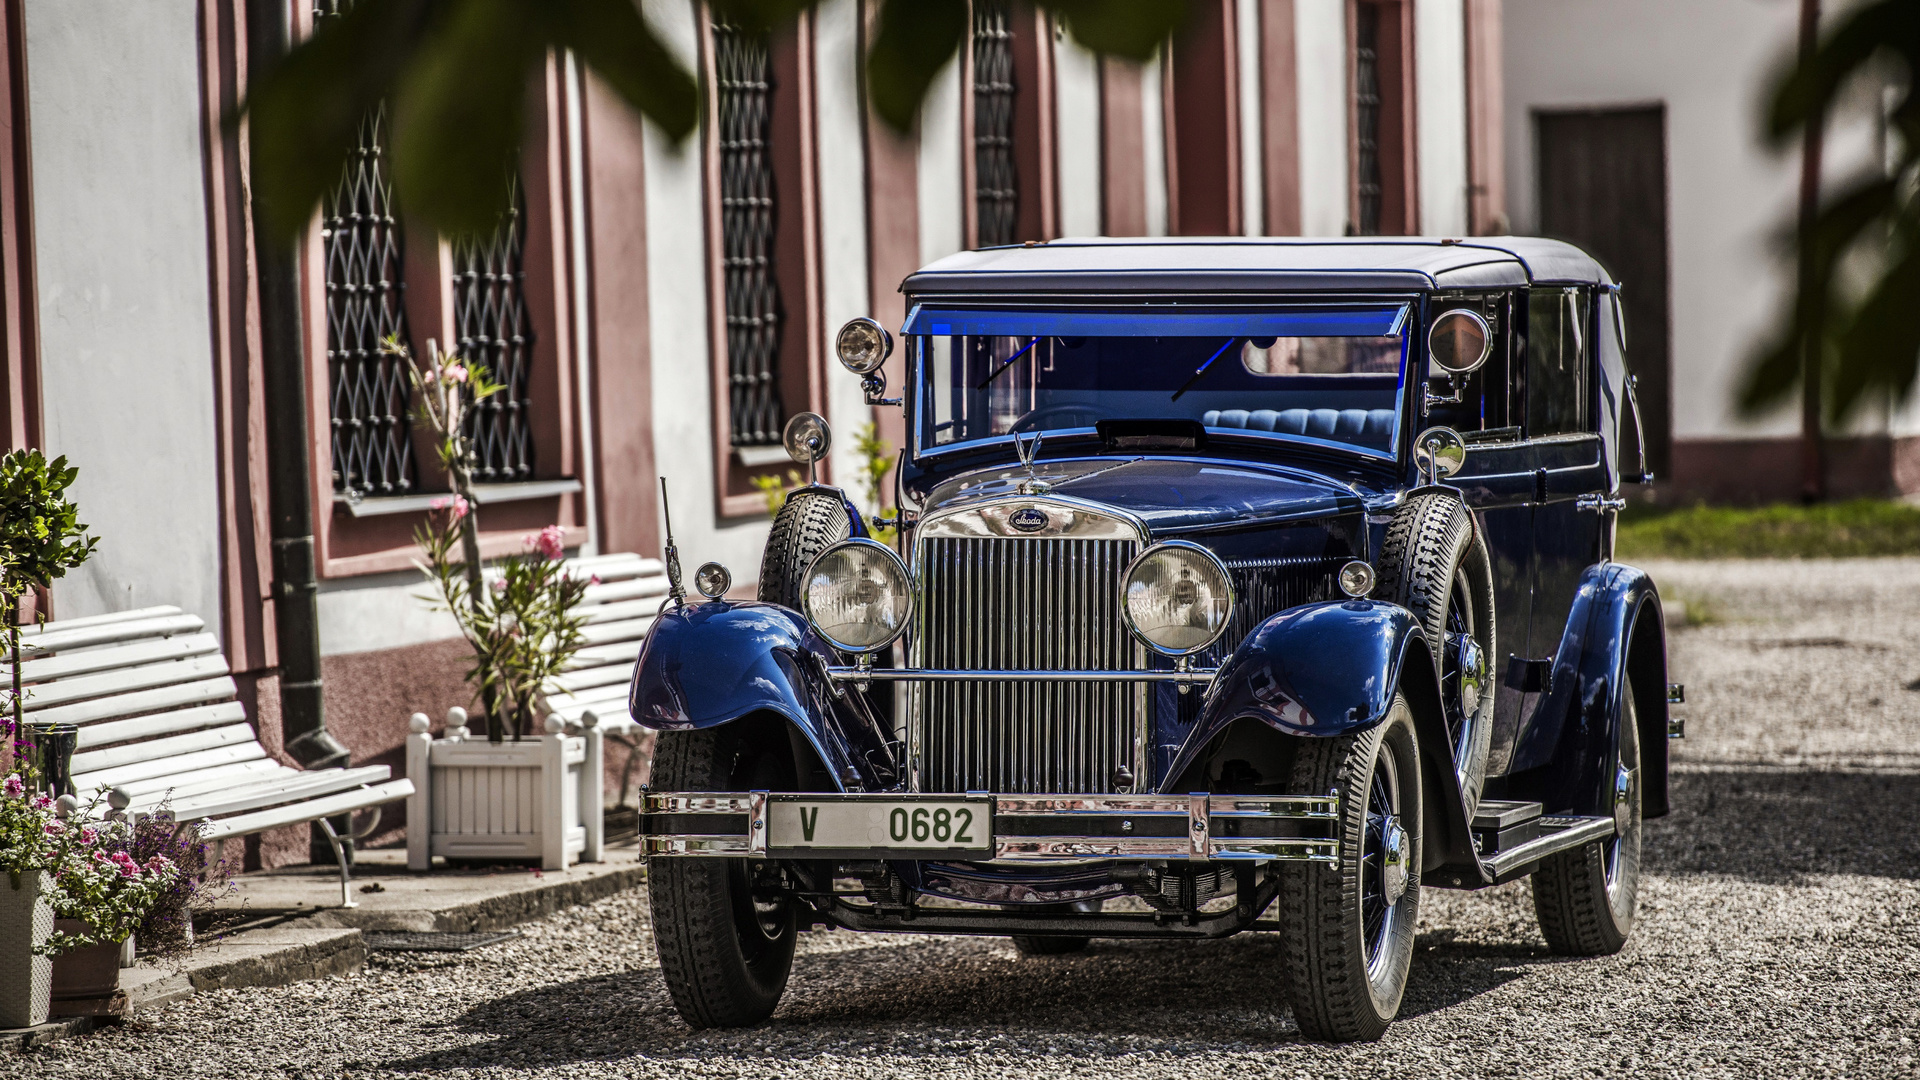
x: 1195, y: 677
x: 1586, y: 830
x: 1199, y: 826
x: 697, y: 803
x: 715, y: 846
x: 1071, y: 519
x: 757, y: 824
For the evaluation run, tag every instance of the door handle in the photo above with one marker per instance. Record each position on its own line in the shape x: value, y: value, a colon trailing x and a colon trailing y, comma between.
x: 1599, y: 504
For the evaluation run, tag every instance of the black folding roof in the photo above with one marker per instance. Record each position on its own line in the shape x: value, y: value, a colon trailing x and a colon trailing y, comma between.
x: 1258, y: 264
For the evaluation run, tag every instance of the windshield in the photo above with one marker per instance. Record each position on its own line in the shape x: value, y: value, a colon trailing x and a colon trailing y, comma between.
x: 1327, y: 375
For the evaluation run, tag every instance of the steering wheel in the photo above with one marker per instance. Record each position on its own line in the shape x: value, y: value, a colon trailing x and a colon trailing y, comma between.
x: 1037, y: 419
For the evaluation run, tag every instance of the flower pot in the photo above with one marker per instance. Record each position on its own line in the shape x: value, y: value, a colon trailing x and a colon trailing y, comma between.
x: 84, y: 974
x: 26, y: 920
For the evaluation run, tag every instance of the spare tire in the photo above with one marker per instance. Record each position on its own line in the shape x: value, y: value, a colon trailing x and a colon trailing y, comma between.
x: 809, y: 523
x: 1434, y: 563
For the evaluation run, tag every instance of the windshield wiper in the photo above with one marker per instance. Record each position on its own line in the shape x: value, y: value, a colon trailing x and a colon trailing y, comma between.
x: 1011, y: 360
x: 1201, y: 370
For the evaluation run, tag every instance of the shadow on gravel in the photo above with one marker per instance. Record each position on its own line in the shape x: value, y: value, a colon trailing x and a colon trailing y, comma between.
x: 951, y: 1000
x: 1776, y: 826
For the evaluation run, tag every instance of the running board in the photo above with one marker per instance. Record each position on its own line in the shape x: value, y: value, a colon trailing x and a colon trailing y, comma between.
x: 1557, y: 834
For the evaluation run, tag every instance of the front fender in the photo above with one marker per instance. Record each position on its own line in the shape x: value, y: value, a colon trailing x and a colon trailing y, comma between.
x: 1562, y: 753
x: 708, y: 664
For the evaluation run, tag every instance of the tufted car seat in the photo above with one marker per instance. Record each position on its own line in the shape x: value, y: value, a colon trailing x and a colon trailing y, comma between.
x: 1368, y: 427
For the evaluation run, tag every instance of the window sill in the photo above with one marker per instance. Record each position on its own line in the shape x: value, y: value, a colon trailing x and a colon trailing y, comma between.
x: 483, y: 494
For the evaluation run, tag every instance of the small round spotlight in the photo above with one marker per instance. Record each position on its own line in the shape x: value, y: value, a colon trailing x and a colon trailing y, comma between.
x: 807, y: 437
x: 712, y: 581
x: 863, y: 345
x: 1357, y: 579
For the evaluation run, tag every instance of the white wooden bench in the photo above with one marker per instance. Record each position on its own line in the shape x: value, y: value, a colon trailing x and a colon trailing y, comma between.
x: 160, y: 729
x: 619, y: 612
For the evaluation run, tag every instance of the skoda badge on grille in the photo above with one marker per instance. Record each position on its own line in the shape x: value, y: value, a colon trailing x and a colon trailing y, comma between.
x: 1029, y: 519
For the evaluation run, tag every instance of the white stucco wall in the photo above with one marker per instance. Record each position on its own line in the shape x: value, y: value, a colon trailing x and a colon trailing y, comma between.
x: 1253, y: 200
x: 1153, y: 131
x: 1320, y: 47
x: 941, y: 186
x: 677, y: 324
x: 1709, y: 62
x: 1076, y: 106
x: 1440, y: 94
x: 126, y: 343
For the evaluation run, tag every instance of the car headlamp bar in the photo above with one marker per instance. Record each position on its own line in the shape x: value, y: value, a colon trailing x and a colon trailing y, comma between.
x: 1187, y: 676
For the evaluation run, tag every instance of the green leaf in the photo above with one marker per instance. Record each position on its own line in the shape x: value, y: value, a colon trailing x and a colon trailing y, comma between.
x: 915, y: 40
x: 611, y: 37
x: 1133, y: 29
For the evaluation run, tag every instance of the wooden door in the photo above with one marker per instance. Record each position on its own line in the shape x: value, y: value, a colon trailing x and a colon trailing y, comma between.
x: 1603, y: 186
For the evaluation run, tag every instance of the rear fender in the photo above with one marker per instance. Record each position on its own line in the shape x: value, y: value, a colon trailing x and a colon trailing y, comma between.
x: 1332, y: 669
x: 709, y: 664
x: 1563, y: 754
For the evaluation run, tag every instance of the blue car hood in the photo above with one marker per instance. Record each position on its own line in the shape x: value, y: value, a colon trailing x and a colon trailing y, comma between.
x: 1170, y: 494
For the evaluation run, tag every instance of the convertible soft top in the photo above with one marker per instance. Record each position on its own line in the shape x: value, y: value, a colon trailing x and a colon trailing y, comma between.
x: 1241, y: 264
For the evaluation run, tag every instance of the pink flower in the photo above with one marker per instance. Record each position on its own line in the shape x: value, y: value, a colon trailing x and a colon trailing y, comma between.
x: 43, y: 802
x: 88, y: 834
x: 594, y: 580
x: 455, y: 373
x: 99, y: 856
x: 457, y: 502
x: 15, y: 787
x: 54, y: 828
x: 551, y: 541
x: 499, y: 584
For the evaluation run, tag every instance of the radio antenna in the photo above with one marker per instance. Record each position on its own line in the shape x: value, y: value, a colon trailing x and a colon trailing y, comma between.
x: 675, y: 592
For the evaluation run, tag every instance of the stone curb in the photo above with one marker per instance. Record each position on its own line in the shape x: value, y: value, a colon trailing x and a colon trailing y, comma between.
x: 489, y: 913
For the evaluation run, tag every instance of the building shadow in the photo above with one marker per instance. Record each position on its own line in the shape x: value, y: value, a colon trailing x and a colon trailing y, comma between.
x: 1778, y: 826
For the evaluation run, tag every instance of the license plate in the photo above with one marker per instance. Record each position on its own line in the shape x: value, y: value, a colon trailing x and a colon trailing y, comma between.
x: 945, y: 825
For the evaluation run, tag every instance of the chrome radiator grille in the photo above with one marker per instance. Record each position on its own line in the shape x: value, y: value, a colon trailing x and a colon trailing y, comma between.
x: 1026, y: 604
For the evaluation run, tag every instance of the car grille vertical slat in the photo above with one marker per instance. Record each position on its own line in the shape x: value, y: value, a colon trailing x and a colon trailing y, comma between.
x: 1027, y: 604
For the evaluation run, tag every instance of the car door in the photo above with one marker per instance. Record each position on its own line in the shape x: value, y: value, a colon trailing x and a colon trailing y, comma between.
x: 1568, y: 464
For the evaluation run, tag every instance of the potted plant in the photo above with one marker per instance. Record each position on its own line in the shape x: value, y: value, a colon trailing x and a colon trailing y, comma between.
x: 41, y: 538
x: 100, y: 894
x: 541, y: 800
x: 27, y: 854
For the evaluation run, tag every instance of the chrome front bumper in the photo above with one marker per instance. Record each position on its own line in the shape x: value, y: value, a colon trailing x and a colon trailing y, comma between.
x: 1019, y: 828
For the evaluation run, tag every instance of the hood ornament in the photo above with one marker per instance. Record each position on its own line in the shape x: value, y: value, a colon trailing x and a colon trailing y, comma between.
x: 1029, y: 450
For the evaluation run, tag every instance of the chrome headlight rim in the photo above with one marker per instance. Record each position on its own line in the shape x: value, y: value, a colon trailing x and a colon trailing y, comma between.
x: 1226, y: 579
x: 909, y: 591
x: 876, y: 357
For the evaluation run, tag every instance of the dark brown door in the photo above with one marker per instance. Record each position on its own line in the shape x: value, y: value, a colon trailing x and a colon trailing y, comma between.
x: 1603, y: 186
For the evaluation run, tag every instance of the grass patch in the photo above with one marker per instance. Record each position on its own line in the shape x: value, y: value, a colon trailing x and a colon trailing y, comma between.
x: 1858, y: 528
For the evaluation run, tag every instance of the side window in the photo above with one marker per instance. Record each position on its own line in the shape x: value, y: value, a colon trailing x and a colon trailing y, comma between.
x: 1557, y: 392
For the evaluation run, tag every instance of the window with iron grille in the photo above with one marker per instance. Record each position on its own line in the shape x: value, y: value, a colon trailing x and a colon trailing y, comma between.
x: 1366, y: 117
x: 743, y: 77
x: 996, y: 191
x: 368, y: 388
x: 494, y: 330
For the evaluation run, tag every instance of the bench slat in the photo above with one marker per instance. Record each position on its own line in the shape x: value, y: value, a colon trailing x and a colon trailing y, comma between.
x: 602, y: 633
x: 159, y: 788
x: 617, y: 652
x: 602, y: 675
x: 616, y: 721
x: 134, y: 614
x: 69, y: 664
x: 276, y: 790
x: 124, y: 680
x: 607, y: 592
x: 173, y: 766
x: 645, y: 607
x: 344, y: 803
x: 204, y: 692
x: 81, y: 637
x: 153, y: 749
x: 167, y: 723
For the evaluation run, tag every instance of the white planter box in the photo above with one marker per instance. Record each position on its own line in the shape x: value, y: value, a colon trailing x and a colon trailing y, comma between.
x: 26, y: 980
x: 534, y: 799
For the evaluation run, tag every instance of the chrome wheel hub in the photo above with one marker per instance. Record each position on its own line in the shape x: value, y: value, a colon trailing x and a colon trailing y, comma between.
x: 1395, y: 859
x: 1623, y: 781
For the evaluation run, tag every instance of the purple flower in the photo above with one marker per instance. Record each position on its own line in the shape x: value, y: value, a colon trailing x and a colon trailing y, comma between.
x: 43, y: 802
x: 15, y: 787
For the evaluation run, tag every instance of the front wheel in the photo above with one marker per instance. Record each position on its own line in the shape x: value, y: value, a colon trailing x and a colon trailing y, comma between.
x: 724, y: 936
x: 1587, y: 898
x: 1348, y: 929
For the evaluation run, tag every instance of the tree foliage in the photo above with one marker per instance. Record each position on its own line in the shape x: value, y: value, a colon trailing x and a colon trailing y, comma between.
x: 455, y: 75
x: 1863, y: 325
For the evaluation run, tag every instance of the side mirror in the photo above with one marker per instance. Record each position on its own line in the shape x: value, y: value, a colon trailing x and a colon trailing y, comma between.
x: 1439, y: 452
x: 1459, y: 342
x: 807, y: 438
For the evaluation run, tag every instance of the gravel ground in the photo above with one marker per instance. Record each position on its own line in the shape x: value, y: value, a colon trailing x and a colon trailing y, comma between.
x: 1779, y: 934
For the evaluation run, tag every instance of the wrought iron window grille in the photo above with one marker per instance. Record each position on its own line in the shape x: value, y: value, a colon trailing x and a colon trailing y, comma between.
x: 369, y: 388
x: 743, y: 74
x: 1366, y: 115
x: 494, y: 330
x: 996, y: 183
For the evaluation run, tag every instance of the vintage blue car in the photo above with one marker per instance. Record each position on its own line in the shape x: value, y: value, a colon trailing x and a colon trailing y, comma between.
x: 1237, y: 585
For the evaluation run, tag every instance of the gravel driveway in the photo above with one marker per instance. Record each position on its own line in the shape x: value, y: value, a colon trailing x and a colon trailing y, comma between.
x: 1779, y: 934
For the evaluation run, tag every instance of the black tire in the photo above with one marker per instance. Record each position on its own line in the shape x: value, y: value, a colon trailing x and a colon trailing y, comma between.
x: 808, y: 524
x: 725, y: 952
x: 1587, y: 898
x: 1434, y: 563
x: 1348, y: 946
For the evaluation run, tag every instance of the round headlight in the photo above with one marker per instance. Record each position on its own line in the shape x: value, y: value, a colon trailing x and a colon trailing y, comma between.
x: 858, y: 596
x: 1177, y: 597
x: 1357, y: 579
x: 862, y: 345
x: 712, y: 581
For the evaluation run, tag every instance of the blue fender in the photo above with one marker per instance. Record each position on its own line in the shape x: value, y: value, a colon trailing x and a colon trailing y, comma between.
x: 1563, y: 752
x: 704, y: 665
x: 1330, y: 669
